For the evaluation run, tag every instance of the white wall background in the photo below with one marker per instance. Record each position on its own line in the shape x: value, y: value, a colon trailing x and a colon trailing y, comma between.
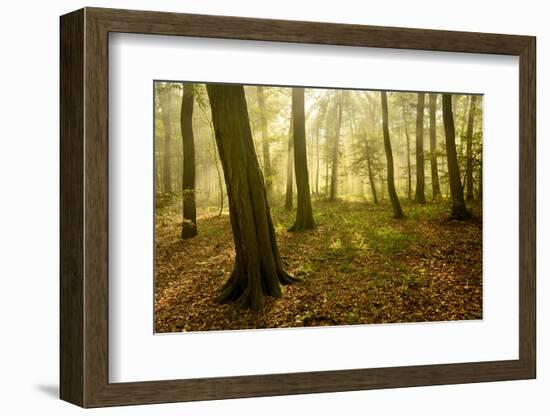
x: 29, y: 159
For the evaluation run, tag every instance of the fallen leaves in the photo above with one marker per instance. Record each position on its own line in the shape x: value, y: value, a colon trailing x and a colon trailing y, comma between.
x: 357, y: 267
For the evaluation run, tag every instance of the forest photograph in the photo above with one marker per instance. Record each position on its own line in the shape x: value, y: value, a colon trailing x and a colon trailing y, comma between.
x: 281, y: 207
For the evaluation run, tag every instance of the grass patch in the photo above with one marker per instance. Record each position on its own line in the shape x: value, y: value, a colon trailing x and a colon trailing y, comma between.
x: 388, y: 240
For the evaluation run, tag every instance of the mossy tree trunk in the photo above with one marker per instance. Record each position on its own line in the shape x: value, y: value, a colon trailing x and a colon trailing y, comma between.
x: 419, y: 196
x: 258, y: 270
x: 189, y: 227
x: 436, y: 190
x: 396, y: 206
x: 304, y: 213
x: 457, y: 194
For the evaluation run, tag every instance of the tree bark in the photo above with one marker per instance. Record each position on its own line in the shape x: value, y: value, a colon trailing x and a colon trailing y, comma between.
x: 189, y: 227
x: 167, y: 127
x: 469, y: 158
x: 318, y: 165
x: 265, y: 141
x: 419, y: 196
x: 396, y: 206
x: 289, y: 167
x: 258, y: 268
x: 369, y: 170
x: 457, y: 195
x: 409, y: 175
x: 317, y: 148
x: 462, y: 132
x: 202, y: 106
x: 480, y: 183
x: 436, y: 190
x: 336, y: 151
x: 304, y: 213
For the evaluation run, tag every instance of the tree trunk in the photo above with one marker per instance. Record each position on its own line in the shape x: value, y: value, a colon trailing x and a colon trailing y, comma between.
x: 318, y: 163
x: 469, y: 158
x: 457, y: 195
x: 258, y: 268
x: 480, y: 183
x: 304, y: 213
x: 419, y: 194
x: 409, y: 175
x: 326, y: 174
x: 462, y: 132
x: 167, y: 162
x: 220, y: 184
x: 265, y: 141
x: 202, y: 107
x: 336, y: 151
x: 397, y: 212
x: 436, y: 190
x: 189, y: 227
x: 369, y: 170
x: 329, y: 124
x: 321, y: 116
x: 289, y: 167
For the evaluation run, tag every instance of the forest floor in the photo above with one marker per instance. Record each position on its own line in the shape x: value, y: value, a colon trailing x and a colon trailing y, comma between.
x: 358, y: 266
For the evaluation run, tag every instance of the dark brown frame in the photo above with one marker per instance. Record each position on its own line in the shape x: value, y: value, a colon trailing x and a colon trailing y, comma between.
x: 84, y: 209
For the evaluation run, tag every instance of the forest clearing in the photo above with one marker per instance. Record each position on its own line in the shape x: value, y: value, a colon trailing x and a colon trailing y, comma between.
x: 280, y: 207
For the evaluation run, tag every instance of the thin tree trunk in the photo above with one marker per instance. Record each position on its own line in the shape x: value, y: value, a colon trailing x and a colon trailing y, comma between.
x: 462, y: 132
x: 330, y: 122
x: 469, y: 158
x: 258, y: 268
x: 220, y: 183
x: 419, y: 196
x: 320, y: 116
x: 265, y: 141
x: 167, y: 162
x: 396, y: 206
x: 457, y: 195
x: 436, y: 190
x: 309, y: 153
x: 326, y: 174
x: 336, y: 151
x: 318, y: 158
x: 189, y: 227
x: 289, y: 167
x: 480, y: 183
x: 409, y: 175
x: 369, y: 170
x: 304, y: 213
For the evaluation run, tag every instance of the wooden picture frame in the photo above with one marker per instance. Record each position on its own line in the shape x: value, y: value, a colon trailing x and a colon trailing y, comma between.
x: 84, y: 207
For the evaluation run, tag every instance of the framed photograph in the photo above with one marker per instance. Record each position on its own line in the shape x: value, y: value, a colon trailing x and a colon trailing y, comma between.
x: 255, y: 207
